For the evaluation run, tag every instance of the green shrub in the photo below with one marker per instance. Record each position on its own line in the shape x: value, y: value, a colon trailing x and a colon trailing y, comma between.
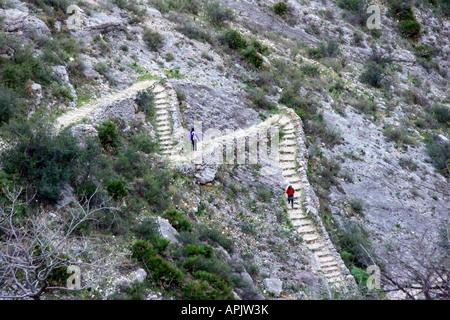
x: 143, y: 142
x: 264, y: 194
x: 351, y: 5
x: 441, y: 114
x: 181, y: 96
x: 194, y: 250
x: 310, y: 70
x: 355, y: 241
x: 153, y: 39
x: 117, y: 188
x: 177, y: 220
x: 439, y: 154
x: 16, y: 73
x: 407, y: 163
x: 233, y: 39
x: 191, y: 30
x: 423, y: 51
x: 280, y: 8
x: 373, y: 75
x: 409, y: 28
x: 108, y: 134
x: 364, y: 105
x: 252, y: 56
x: 162, y: 271
x: 9, y: 101
x: 145, y: 100
x: 445, y: 6
x: 408, y: 25
x: 43, y: 160
x: 214, y: 236
x: 357, y: 205
x: 398, y: 135
x: 361, y: 276
x: 153, y: 188
x: 217, y: 13
x: 260, y: 101
x: 327, y: 49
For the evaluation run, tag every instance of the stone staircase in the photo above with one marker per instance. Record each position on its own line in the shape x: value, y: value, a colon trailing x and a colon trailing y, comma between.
x: 304, y: 215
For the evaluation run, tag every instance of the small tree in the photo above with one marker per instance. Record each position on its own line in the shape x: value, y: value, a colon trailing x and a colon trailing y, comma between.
x: 217, y: 13
x: 280, y: 8
x: 108, y: 134
x: 34, y: 252
x: 373, y: 75
x: 153, y: 39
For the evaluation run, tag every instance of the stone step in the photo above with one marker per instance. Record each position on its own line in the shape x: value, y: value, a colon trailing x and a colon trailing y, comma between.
x: 288, y: 144
x: 166, y: 143
x: 161, y: 95
x: 163, y: 128
x: 161, y: 106
x: 317, y: 247
x: 326, y: 259
x: 165, y: 137
x: 311, y: 237
x: 289, y: 172
x: 305, y: 229
x: 161, y: 112
x: 158, y: 89
x: 289, y: 137
x: 329, y: 264
x: 300, y: 222
x: 323, y: 252
x: 164, y: 102
x: 164, y: 117
x: 163, y: 123
x: 334, y: 274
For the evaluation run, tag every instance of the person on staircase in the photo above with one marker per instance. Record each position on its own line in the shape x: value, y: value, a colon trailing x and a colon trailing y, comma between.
x: 290, y: 192
x: 194, y: 138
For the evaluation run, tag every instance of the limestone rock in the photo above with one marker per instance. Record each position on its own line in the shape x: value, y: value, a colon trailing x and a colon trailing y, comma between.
x: 138, y: 276
x: 205, y: 172
x: 14, y: 19
x: 273, y: 285
x: 167, y: 231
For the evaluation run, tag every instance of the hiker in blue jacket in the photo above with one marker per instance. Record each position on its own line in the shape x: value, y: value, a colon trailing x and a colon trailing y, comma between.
x: 194, y: 138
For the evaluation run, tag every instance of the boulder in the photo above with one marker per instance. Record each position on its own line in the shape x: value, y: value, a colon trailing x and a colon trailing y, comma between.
x: 14, y: 19
x: 35, y: 28
x: 138, y: 276
x: 273, y: 285
x: 205, y: 172
x: 167, y: 231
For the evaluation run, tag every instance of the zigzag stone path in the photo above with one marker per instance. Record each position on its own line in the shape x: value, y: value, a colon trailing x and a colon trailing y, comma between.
x: 304, y: 217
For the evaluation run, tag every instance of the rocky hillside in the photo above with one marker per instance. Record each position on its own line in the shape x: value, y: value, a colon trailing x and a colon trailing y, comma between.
x: 96, y: 102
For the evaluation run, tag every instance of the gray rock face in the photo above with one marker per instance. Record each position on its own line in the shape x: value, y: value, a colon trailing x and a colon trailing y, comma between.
x: 14, y: 19
x: 138, y: 276
x: 123, y: 108
x: 167, y: 231
x: 273, y: 285
x: 103, y: 23
x: 215, y: 108
x: 61, y: 73
x: 88, y: 69
x: 35, y: 28
x: 205, y: 172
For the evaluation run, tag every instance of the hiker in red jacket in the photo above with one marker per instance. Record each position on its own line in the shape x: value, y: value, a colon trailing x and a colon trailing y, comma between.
x: 290, y: 192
